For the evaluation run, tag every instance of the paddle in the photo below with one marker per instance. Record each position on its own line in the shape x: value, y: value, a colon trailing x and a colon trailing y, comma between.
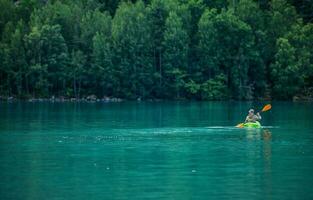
x: 265, y: 108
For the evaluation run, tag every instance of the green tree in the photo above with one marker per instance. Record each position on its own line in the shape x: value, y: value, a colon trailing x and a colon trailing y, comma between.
x: 132, y: 50
x: 77, y: 71
x: 175, y: 55
x: 192, y: 89
x: 18, y: 58
x: 7, y: 13
x: 285, y: 71
x: 38, y: 70
x: 47, y: 53
x: 217, y: 4
x: 304, y: 8
x: 215, y: 88
x: 6, y: 59
x: 24, y: 9
x: 91, y: 23
x: 66, y: 15
x: 55, y: 56
x: 157, y: 15
x: 197, y: 49
x: 281, y: 17
x: 225, y: 45
x: 103, y: 71
x: 250, y: 12
x: 208, y: 67
x: 158, y: 12
x: 196, y: 8
x: 301, y: 38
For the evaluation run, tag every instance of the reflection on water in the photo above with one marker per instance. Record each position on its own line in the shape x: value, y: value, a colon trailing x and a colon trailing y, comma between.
x: 261, y: 144
x: 267, y: 154
x: 253, y: 134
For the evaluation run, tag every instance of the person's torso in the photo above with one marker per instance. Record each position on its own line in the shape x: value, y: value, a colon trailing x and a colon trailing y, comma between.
x: 253, y: 118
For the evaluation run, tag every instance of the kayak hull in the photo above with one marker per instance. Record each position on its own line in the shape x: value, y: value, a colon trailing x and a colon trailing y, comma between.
x: 252, y: 125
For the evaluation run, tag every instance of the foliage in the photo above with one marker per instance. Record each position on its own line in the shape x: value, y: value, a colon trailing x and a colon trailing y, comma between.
x: 226, y: 46
x: 132, y: 50
x: 215, y: 88
x: 285, y: 71
x: 170, y: 49
x: 175, y: 55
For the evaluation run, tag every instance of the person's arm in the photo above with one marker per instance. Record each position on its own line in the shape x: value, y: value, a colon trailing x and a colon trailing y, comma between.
x: 247, y: 119
x: 259, y: 116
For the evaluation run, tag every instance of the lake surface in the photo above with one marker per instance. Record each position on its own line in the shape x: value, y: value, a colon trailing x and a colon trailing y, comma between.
x: 157, y: 150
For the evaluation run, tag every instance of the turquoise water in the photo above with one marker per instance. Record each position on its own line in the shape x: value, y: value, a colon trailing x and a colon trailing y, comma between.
x: 160, y: 150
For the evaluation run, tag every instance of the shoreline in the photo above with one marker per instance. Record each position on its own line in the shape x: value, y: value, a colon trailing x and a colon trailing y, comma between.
x: 93, y: 99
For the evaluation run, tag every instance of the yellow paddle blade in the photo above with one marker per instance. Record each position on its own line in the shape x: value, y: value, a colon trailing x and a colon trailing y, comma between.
x: 267, y: 107
x: 240, y: 125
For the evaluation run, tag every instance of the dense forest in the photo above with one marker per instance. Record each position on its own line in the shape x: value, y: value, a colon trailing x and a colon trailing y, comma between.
x: 157, y: 49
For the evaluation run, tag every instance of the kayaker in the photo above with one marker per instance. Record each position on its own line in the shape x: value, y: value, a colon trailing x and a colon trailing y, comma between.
x: 252, y: 117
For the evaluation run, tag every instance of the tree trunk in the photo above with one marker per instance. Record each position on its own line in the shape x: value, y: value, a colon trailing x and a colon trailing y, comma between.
x: 74, y: 86
x: 9, y: 85
x: 79, y: 86
x: 160, y: 67
x: 20, y: 83
x: 26, y: 84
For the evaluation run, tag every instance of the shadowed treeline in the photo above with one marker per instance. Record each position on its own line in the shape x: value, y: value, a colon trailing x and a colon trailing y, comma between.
x: 157, y: 49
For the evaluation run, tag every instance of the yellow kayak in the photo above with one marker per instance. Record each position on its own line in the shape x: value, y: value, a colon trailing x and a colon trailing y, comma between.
x: 252, y: 125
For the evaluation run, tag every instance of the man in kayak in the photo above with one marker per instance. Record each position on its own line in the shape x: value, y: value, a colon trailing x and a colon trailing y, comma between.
x: 252, y: 117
